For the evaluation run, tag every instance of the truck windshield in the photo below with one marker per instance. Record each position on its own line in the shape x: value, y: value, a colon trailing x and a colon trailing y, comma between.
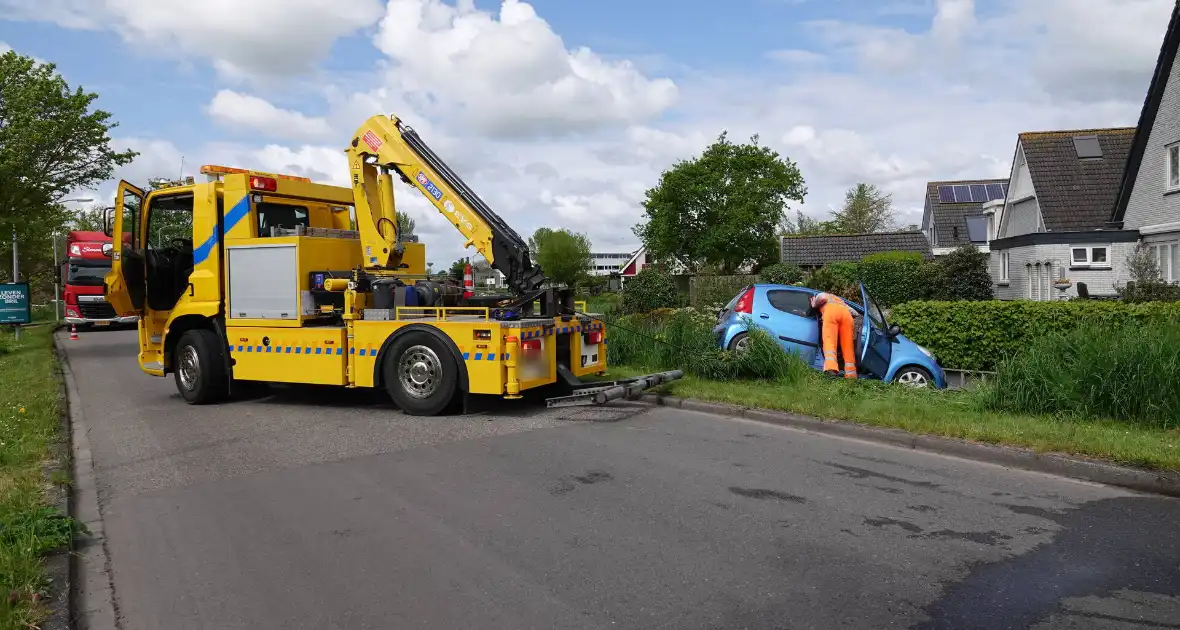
x: 87, y: 273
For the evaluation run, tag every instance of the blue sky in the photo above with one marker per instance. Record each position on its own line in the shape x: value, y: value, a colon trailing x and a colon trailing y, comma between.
x: 564, y: 113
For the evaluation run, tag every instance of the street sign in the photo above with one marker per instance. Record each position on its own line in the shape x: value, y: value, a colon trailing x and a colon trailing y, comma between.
x: 15, y: 305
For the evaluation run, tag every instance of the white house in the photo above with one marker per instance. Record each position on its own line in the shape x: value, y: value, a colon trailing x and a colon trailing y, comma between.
x: 1055, y: 220
x: 1149, y: 198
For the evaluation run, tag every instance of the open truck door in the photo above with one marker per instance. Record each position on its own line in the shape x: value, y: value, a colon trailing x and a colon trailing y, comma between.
x: 125, y: 284
x: 876, y: 346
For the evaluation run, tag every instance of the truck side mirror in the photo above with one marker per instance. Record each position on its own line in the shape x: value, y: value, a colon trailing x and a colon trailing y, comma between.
x: 108, y: 222
x: 108, y: 250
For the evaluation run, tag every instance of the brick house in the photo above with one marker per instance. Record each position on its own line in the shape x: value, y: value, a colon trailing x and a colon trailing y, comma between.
x: 962, y: 212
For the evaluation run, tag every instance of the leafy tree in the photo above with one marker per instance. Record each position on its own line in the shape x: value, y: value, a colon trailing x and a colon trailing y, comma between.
x: 804, y: 225
x: 51, y: 143
x: 866, y: 209
x: 405, y: 224
x: 721, y: 208
x: 563, y: 255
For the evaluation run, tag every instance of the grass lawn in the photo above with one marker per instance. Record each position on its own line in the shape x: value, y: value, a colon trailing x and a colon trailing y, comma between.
x: 956, y: 414
x: 30, y: 408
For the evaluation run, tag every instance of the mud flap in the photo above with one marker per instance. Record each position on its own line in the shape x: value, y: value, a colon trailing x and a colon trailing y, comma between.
x: 602, y: 393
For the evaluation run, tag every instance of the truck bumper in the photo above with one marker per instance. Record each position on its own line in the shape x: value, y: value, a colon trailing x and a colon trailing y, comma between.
x: 102, y: 322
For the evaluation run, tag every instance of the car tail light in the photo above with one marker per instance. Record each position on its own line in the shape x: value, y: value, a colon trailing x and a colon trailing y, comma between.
x: 745, y: 304
x: 530, y: 347
x: 268, y: 184
x: 594, y: 337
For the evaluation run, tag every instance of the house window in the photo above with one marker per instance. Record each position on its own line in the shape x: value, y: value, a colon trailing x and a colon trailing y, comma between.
x: 1167, y: 260
x: 1033, y: 286
x: 1094, y: 256
x: 1046, y: 281
x: 1003, y: 266
x: 1173, y: 172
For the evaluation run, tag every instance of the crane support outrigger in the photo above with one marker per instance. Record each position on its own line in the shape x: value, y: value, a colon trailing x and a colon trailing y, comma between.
x: 259, y: 277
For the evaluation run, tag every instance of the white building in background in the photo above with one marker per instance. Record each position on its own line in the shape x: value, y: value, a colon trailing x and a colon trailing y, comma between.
x: 602, y: 264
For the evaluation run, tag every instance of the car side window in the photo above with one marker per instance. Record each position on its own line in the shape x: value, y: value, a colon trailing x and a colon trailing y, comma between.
x: 793, y: 302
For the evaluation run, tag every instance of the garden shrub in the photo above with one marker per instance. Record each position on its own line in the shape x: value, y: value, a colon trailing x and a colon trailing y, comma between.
x: 1125, y: 372
x: 708, y: 291
x: 825, y: 279
x: 963, y: 275
x: 977, y: 335
x: 685, y: 341
x: 648, y: 290
x: 780, y: 273
x: 1156, y: 291
x: 892, y: 277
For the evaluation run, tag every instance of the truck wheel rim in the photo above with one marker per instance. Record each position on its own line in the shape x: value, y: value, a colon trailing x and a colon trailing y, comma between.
x: 420, y: 371
x: 189, y: 367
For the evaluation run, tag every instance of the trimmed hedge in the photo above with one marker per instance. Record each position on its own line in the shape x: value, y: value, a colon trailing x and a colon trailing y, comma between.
x: 976, y: 335
x: 650, y: 289
x: 893, y: 277
x: 705, y: 292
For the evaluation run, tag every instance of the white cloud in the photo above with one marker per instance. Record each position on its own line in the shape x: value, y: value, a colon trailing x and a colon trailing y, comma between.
x: 796, y: 57
x: 240, y: 37
x: 510, y: 74
x: 256, y: 114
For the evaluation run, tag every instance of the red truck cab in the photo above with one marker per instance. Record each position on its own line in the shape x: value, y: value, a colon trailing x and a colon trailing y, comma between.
x: 82, y: 278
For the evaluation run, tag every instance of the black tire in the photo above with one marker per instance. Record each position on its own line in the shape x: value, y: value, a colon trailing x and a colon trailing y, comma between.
x: 737, y: 341
x: 198, y: 367
x: 918, y: 373
x: 430, y: 371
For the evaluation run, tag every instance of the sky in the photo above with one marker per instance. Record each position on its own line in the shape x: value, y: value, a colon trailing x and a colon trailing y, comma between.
x: 562, y: 113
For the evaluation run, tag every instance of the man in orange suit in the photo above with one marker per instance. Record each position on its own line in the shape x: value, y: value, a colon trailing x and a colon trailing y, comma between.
x: 837, y: 329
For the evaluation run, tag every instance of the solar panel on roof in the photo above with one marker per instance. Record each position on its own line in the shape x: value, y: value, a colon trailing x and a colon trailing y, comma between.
x: 962, y: 194
x: 978, y: 193
x: 977, y: 229
x: 946, y: 194
x: 995, y: 191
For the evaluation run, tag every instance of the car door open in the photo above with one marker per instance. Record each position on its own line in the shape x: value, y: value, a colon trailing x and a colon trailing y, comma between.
x: 876, y: 345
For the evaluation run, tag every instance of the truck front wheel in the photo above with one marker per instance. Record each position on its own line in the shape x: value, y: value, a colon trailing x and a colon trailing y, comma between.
x: 420, y: 374
x: 198, y: 368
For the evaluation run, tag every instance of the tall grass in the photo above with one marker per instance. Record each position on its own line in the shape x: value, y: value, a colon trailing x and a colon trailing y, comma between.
x: 683, y: 340
x: 1129, y: 373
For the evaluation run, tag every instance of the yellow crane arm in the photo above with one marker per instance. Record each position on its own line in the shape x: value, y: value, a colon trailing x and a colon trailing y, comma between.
x: 384, y: 145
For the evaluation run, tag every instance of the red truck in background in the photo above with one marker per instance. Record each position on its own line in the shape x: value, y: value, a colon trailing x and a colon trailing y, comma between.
x: 82, y: 278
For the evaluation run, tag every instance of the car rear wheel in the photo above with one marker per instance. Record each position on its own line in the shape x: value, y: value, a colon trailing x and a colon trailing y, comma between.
x: 914, y: 376
x: 739, y: 343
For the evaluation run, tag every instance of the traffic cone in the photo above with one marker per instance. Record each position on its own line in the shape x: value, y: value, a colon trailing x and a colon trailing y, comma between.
x: 73, y: 332
x: 468, y: 283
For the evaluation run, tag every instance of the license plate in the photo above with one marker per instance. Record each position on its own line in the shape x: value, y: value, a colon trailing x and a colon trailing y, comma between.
x: 102, y: 323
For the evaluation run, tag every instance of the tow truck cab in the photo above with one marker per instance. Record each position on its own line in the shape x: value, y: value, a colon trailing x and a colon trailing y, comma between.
x: 82, y: 274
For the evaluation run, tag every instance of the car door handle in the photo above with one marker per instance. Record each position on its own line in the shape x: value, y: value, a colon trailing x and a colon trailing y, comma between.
x: 764, y: 316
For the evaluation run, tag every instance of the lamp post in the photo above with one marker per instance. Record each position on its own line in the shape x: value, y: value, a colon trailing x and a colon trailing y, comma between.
x: 56, y: 270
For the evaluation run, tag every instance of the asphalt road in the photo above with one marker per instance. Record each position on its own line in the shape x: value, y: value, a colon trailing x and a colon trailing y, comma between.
x: 327, y: 509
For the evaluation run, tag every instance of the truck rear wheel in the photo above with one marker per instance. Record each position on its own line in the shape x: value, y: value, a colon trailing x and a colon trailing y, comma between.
x: 420, y: 374
x: 198, y: 367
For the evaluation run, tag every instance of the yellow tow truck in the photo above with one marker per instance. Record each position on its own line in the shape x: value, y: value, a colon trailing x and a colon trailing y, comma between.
x: 260, y: 277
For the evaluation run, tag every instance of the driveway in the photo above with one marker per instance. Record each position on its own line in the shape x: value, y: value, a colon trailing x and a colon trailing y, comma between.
x: 329, y: 509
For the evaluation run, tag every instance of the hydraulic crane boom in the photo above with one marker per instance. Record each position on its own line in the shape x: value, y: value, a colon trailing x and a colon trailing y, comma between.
x: 384, y: 145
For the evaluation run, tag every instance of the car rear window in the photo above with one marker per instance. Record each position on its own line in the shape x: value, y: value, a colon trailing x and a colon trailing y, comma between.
x: 793, y: 302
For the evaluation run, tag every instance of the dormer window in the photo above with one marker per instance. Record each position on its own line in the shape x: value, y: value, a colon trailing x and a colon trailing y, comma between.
x: 1173, y: 172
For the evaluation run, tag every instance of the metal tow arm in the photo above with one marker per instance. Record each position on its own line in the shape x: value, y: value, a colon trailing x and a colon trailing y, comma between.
x: 602, y: 393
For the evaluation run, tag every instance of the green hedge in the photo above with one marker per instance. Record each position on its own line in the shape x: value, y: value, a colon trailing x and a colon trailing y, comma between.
x: 705, y: 292
x: 976, y: 335
x: 893, y: 277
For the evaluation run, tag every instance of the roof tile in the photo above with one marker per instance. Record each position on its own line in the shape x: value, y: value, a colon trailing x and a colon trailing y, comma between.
x: 1075, y: 194
x: 820, y: 250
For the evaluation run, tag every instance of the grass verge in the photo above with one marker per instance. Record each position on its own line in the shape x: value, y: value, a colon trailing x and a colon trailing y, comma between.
x: 30, y: 410
x: 943, y: 413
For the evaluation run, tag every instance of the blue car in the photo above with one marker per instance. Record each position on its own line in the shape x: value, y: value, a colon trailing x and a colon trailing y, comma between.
x: 785, y: 312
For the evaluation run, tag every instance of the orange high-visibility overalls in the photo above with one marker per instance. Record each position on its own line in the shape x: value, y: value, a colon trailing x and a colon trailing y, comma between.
x: 837, y: 329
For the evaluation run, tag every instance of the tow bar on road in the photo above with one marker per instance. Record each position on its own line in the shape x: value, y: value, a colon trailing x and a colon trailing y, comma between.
x: 602, y: 393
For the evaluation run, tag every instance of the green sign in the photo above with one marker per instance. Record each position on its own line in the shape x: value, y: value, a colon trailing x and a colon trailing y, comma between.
x: 15, y: 306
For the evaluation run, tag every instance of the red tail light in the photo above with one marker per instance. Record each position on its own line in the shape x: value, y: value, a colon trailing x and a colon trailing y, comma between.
x: 268, y: 184
x: 594, y: 337
x: 530, y: 347
x: 745, y: 303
